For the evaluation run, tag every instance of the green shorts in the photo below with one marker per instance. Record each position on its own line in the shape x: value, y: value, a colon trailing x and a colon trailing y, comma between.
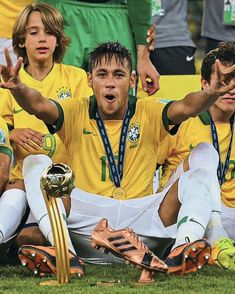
x: 88, y: 24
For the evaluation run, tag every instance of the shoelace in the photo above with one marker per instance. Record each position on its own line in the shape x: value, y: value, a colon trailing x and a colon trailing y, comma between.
x: 137, y: 240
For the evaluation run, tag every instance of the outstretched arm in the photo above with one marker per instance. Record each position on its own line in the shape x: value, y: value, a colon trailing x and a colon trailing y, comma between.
x: 29, y: 99
x: 193, y: 104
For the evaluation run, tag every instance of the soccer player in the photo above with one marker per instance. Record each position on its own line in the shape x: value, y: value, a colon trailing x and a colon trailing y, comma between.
x: 215, y: 126
x: 38, y: 37
x: 113, y: 150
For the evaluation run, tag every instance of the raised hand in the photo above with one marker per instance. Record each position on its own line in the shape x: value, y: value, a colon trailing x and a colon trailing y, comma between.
x: 10, y: 73
x: 27, y: 138
x: 223, y: 79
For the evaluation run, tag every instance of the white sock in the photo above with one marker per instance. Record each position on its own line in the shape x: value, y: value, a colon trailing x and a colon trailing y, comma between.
x: 208, y: 158
x: 13, y: 205
x: 195, y: 210
x: 33, y: 167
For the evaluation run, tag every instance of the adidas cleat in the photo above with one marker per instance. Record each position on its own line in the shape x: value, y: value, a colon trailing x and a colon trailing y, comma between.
x: 126, y: 244
x: 223, y: 253
x: 189, y: 257
x: 42, y: 261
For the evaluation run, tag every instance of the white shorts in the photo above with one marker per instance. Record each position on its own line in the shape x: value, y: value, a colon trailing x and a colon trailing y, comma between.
x: 140, y: 214
x: 228, y: 220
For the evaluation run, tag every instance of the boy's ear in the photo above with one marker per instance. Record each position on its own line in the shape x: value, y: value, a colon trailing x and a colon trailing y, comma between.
x: 89, y: 79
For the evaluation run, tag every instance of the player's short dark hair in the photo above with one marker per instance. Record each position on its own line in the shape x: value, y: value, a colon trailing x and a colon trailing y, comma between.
x: 225, y: 53
x: 108, y: 50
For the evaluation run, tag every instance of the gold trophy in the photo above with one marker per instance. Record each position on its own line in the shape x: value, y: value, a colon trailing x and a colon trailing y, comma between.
x: 58, y: 181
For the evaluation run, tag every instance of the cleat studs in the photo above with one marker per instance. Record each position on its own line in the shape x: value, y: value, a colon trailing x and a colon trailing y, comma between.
x: 199, y: 267
x: 44, y: 260
x: 207, y: 257
x: 186, y: 256
x: 231, y: 255
x: 24, y: 263
x: 226, y: 266
x: 127, y: 262
x: 194, y: 249
x: 79, y: 275
x: 35, y: 272
x: 33, y: 254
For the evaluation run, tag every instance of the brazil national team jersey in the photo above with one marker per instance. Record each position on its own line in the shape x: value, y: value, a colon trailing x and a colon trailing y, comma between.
x: 191, y: 133
x: 5, y: 146
x: 61, y: 83
x: 78, y: 129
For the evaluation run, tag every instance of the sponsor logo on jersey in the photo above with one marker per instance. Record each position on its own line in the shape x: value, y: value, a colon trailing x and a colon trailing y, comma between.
x: 87, y: 132
x: 134, y: 133
x: 15, y: 111
x: 2, y: 137
x: 63, y: 93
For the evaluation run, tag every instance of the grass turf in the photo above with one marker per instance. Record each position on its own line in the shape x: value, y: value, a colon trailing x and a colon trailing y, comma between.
x: 16, y: 279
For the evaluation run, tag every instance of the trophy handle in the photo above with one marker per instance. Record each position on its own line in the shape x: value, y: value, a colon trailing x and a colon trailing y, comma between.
x: 58, y: 181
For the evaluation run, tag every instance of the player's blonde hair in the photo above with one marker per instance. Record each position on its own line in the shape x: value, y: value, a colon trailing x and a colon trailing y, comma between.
x: 53, y: 22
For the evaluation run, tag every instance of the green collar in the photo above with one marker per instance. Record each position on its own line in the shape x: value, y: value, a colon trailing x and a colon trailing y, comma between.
x: 205, y: 118
x: 93, y: 106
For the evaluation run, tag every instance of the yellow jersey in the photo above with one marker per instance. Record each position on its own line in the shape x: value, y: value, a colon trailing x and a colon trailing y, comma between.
x: 5, y: 146
x: 62, y: 82
x: 78, y: 129
x: 192, y: 132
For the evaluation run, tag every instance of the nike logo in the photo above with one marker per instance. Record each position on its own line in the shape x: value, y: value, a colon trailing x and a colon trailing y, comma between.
x: 191, y: 147
x: 189, y: 58
x: 195, y: 221
x: 17, y: 110
x: 86, y: 132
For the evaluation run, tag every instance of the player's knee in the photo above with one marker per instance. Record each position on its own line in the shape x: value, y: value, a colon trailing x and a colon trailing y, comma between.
x: 204, y: 155
x: 195, y: 183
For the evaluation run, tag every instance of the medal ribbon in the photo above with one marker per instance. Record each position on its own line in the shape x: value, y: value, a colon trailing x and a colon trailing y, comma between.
x: 222, y: 168
x: 115, y: 170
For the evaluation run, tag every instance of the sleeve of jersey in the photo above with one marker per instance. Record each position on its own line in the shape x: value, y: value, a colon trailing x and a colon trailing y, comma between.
x: 68, y: 113
x: 167, y: 123
x: 140, y: 15
x: 5, y: 146
x: 6, y: 108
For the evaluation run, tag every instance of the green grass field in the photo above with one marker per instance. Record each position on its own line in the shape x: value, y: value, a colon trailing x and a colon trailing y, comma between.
x: 16, y: 279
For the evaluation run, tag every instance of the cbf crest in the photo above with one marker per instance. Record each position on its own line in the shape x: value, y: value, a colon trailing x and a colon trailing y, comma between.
x: 134, y: 133
x: 63, y: 93
x: 2, y: 137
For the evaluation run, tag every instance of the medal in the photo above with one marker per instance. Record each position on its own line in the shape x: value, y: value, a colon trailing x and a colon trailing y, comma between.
x: 119, y: 193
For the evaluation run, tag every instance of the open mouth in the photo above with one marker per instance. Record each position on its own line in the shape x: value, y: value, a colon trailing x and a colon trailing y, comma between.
x: 110, y: 97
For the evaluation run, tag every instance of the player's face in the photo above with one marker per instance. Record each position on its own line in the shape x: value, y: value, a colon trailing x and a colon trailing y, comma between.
x: 111, y: 83
x: 224, y: 105
x: 40, y: 44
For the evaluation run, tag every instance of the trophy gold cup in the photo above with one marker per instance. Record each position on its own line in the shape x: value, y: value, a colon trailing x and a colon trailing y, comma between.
x: 57, y: 181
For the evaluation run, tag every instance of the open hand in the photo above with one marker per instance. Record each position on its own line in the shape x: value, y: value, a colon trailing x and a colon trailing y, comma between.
x: 10, y: 74
x: 27, y: 138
